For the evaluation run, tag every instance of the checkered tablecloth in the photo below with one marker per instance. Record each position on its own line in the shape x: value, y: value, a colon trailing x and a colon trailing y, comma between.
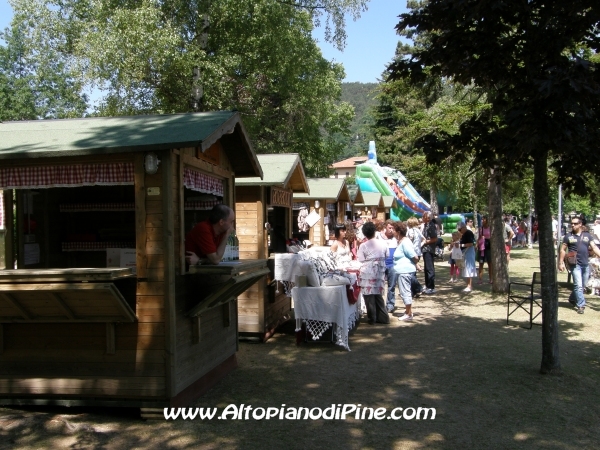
x: 201, y: 182
x: 35, y: 177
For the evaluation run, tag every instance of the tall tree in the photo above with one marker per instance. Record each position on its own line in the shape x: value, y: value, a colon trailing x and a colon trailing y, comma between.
x: 535, y: 61
x: 406, y: 112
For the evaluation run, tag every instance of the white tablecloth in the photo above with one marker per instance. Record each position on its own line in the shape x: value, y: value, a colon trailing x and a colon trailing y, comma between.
x: 320, y: 307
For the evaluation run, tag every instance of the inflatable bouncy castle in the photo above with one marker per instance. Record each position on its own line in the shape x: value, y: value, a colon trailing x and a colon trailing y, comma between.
x: 371, y: 177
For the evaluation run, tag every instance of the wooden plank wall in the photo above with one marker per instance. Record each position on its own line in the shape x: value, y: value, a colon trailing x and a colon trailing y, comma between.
x: 198, y: 351
x: 250, y: 218
x: 71, y: 360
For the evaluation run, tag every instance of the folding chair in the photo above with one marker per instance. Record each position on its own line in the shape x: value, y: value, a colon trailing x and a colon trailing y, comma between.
x: 524, y: 296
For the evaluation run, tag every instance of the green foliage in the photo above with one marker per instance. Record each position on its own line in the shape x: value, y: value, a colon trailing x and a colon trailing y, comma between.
x: 35, y: 85
x: 362, y: 97
x: 533, y: 61
x: 407, y: 112
x: 335, y: 15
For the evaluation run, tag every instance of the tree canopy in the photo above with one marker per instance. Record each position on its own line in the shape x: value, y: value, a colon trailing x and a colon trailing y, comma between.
x: 36, y: 85
x: 257, y: 57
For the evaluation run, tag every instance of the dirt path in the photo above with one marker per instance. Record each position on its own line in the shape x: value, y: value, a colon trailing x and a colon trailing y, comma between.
x: 458, y: 356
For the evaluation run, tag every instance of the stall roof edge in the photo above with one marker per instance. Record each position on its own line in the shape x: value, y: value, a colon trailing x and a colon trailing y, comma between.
x: 371, y: 199
x: 355, y: 193
x: 280, y: 169
x: 325, y: 189
x: 125, y: 134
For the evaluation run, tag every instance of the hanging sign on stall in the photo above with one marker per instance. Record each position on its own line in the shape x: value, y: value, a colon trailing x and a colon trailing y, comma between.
x: 312, y: 218
x: 280, y: 197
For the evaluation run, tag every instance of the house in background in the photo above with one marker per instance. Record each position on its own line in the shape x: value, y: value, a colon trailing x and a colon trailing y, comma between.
x: 347, y: 167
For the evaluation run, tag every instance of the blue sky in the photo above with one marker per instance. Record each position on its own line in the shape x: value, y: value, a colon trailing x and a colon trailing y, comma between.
x: 370, y: 45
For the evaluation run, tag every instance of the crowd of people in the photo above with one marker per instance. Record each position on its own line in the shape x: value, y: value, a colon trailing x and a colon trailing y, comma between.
x: 391, y: 254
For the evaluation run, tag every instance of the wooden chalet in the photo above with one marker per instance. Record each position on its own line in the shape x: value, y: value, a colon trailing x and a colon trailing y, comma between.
x: 330, y: 199
x: 101, y: 309
x: 264, y: 222
x: 372, y: 203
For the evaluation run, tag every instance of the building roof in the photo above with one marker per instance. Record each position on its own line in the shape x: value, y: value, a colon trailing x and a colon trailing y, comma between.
x: 349, y: 162
x: 284, y: 170
x: 107, y: 135
x: 355, y: 193
x: 389, y: 201
x: 325, y: 189
x: 371, y: 199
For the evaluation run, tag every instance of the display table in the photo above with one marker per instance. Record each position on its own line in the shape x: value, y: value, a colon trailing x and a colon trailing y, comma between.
x: 321, y: 307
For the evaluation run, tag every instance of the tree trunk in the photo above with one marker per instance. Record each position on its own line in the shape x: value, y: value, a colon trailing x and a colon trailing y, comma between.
x: 550, y: 356
x: 496, y: 222
x: 474, y: 202
x: 433, y: 200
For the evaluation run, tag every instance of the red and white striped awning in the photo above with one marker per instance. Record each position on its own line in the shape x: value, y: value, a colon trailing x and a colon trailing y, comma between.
x: 201, y: 182
x: 38, y: 177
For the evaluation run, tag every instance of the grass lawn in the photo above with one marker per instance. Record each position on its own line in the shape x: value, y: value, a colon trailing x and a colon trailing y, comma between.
x: 457, y: 356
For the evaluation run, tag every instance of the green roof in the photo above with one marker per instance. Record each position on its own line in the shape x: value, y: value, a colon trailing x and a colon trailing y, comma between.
x: 281, y: 169
x: 99, y: 135
x: 355, y: 193
x: 371, y: 199
x: 389, y: 201
x: 325, y: 189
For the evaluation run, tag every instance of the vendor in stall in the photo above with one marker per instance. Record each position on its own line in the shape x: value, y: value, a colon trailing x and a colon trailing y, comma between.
x: 208, y: 239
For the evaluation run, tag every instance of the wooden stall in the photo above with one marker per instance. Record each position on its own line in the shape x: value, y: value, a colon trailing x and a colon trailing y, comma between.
x: 389, y: 202
x: 101, y: 309
x: 330, y: 199
x: 370, y: 207
x: 356, y: 197
x: 264, y: 223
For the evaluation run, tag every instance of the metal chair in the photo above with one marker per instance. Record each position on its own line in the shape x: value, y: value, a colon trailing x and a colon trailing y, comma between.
x: 526, y: 297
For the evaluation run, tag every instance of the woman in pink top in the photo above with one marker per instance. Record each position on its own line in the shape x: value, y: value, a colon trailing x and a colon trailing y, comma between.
x: 485, y: 253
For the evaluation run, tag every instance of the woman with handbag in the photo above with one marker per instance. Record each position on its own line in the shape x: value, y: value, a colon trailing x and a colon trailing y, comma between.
x: 405, y: 266
x: 371, y: 278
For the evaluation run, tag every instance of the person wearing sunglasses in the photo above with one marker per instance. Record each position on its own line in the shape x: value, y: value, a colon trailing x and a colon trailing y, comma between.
x: 577, y: 243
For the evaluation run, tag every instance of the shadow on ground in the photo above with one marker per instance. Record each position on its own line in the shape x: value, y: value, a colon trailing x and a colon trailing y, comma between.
x: 457, y: 356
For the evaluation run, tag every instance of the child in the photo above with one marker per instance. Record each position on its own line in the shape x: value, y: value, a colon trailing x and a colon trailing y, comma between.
x: 454, y: 269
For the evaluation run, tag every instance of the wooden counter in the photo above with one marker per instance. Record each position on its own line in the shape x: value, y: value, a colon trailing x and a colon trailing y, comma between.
x: 64, y: 275
x: 228, y: 280
x: 231, y: 268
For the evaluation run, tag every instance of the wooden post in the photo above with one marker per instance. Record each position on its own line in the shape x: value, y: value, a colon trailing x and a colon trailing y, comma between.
x: 9, y: 237
x: 141, y: 259
x: 168, y: 211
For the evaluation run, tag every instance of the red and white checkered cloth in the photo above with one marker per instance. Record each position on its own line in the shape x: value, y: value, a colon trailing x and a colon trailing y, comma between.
x: 201, y: 182
x: 36, y: 177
